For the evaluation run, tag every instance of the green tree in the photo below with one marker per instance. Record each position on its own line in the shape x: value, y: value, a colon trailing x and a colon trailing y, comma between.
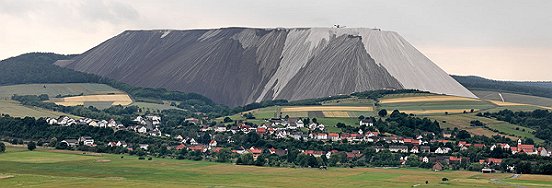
x: 31, y: 146
x: 2, y: 147
x: 382, y: 113
x: 224, y: 155
x: 261, y: 160
x: 247, y: 159
x: 463, y: 134
x: 227, y: 120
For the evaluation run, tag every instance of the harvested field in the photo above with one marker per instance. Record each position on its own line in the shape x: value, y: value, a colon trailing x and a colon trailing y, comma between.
x: 500, y: 103
x: 431, y: 98
x: 118, y: 99
x: 336, y: 114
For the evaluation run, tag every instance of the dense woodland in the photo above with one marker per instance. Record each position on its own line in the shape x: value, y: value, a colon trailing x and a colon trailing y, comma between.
x: 540, y: 120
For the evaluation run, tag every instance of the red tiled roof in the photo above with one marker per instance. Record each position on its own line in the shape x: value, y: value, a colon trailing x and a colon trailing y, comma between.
x: 526, y: 148
x: 197, y: 148
x: 479, y: 145
x: 217, y: 149
x: 255, y: 150
x: 312, y: 152
x: 333, y: 134
x: 181, y: 146
x: 494, y: 160
x: 452, y: 158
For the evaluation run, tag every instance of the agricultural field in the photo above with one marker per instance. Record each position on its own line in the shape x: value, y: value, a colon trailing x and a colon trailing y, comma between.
x: 98, y: 95
x: 428, y: 105
x: 51, y: 168
x: 146, y: 106
x: 53, y: 90
x: 514, y: 98
x: 15, y: 109
x: 90, y: 100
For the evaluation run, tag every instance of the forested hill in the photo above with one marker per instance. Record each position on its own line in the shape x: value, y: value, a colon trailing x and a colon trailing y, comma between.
x: 541, y: 89
x: 39, y: 68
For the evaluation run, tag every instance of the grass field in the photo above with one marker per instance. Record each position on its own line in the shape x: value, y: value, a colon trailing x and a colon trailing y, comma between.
x: 15, y: 109
x: 57, y: 89
x: 514, y: 98
x: 46, y: 168
x: 154, y: 106
x: 462, y: 121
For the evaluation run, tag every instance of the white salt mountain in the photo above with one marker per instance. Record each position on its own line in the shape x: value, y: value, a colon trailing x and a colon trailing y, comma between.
x: 237, y: 66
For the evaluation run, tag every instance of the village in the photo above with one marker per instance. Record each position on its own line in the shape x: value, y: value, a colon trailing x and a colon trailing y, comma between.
x: 424, y: 148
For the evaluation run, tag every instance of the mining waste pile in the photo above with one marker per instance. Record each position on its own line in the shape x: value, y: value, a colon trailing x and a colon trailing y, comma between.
x: 237, y: 66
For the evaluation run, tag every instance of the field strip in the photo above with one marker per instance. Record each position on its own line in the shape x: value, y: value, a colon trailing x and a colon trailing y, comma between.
x: 335, y: 114
x: 328, y: 108
x: 500, y: 103
x: 119, y: 99
x: 503, y: 104
x: 438, y: 98
x: 436, y: 111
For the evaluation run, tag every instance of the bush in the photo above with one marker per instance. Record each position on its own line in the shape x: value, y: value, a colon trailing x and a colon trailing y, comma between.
x: 141, y: 158
x: 31, y: 146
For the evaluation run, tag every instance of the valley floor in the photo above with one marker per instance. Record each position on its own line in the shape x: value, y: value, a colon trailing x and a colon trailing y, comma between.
x: 53, y: 168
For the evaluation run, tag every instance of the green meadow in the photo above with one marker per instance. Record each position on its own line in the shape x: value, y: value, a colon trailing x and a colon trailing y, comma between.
x: 53, y: 168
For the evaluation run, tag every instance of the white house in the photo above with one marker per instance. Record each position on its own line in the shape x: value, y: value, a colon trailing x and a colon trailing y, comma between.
x: 366, y: 122
x: 213, y: 143
x: 141, y: 129
x: 300, y: 124
x: 220, y: 129
x: 86, y: 140
x: 425, y: 160
x: 414, y: 150
x: 121, y: 144
x: 442, y: 150
x: 70, y: 142
x: 400, y: 149
x: 144, y: 146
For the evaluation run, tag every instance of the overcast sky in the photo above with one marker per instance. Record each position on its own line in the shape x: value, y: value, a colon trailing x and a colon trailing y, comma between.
x: 500, y: 39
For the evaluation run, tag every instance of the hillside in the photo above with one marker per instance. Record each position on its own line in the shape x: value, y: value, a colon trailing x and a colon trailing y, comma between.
x: 29, y: 73
x: 237, y: 66
x: 450, y: 111
x: 526, y: 88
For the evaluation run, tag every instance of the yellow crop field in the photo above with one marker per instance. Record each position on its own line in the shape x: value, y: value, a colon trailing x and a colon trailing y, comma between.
x: 328, y: 108
x: 432, y: 98
x: 335, y: 114
x: 500, y: 103
x: 118, y: 99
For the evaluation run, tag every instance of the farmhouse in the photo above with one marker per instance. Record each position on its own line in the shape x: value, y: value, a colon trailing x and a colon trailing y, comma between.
x: 437, y: 167
x: 70, y: 142
x: 86, y: 140
x: 367, y: 122
x: 399, y: 149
